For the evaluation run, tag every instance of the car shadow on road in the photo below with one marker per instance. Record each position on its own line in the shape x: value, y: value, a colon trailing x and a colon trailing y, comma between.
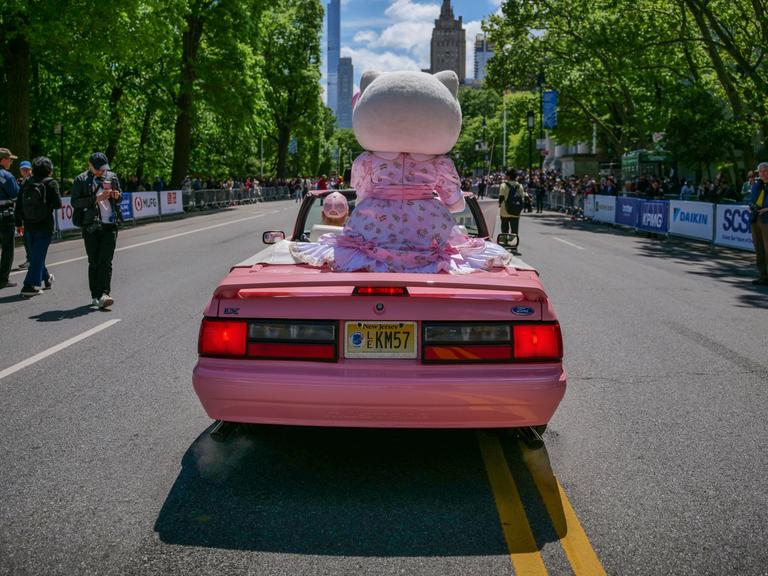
x: 342, y: 492
x: 57, y: 315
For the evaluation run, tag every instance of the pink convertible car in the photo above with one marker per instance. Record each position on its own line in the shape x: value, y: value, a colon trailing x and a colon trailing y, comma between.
x: 283, y: 343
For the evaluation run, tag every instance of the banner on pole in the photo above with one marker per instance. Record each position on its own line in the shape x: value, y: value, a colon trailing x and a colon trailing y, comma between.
x: 550, y: 108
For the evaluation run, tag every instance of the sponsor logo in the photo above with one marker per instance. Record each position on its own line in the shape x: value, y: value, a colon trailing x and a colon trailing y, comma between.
x: 356, y: 338
x: 171, y: 197
x: 680, y: 215
x: 522, y: 310
x: 653, y: 220
x: 140, y: 203
x: 627, y: 209
x: 736, y: 220
x: 137, y: 203
x: 231, y: 310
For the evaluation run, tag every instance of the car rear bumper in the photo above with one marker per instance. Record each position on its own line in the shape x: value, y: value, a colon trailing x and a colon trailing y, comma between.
x: 379, y: 394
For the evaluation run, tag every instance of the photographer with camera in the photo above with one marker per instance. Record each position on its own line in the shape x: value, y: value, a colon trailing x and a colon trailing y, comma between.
x: 758, y: 206
x: 96, y: 195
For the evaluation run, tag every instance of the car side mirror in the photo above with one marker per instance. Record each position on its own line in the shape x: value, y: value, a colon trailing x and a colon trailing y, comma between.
x: 508, y: 240
x: 272, y: 236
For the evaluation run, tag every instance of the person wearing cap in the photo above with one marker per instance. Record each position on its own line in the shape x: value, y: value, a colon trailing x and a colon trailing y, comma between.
x: 9, y: 190
x: 97, y: 193
x: 25, y: 169
x: 758, y: 205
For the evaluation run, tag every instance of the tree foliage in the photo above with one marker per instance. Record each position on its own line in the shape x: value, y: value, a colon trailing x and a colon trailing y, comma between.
x: 165, y: 87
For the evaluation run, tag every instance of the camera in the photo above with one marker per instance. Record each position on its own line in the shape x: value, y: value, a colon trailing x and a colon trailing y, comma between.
x: 753, y: 213
x: 94, y: 225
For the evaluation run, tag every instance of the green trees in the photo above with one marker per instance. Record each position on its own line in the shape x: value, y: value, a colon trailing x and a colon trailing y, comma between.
x: 164, y: 87
x: 633, y: 69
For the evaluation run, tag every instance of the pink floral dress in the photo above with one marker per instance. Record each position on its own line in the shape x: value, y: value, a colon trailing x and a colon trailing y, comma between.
x: 402, y: 221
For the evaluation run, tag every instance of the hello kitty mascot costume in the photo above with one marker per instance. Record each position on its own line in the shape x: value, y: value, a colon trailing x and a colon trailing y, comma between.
x: 406, y: 186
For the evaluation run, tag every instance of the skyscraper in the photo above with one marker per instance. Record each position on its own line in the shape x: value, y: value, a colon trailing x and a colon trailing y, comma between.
x: 448, y: 49
x: 334, y: 48
x: 346, y: 87
x: 483, y: 53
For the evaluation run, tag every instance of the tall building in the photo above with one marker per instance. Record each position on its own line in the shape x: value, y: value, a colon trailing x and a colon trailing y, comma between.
x: 334, y: 49
x: 449, y: 48
x: 346, y: 87
x: 483, y: 53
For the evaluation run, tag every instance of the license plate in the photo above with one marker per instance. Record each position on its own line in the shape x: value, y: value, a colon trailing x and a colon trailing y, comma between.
x: 379, y: 339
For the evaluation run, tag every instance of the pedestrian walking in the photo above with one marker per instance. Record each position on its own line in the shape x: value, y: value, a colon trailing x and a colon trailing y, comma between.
x: 758, y: 205
x: 96, y: 195
x: 511, y: 202
x: 9, y: 190
x: 37, y: 201
x: 25, y: 169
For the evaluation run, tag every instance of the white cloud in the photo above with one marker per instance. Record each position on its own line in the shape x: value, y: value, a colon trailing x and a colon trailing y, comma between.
x: 365, y: 37
x: 405, y: 10
x: 413, y: 37
x: 365, y: 59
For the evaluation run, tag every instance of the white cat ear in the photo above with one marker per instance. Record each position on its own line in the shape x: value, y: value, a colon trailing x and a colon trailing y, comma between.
x: 368, y: 77
x: 449, y: 80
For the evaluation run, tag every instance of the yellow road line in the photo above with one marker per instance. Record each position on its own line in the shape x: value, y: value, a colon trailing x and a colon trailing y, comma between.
x: 573, y: 539
x: 523, y: 551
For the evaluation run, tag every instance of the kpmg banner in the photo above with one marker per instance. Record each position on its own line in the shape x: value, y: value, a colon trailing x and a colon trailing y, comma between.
x: 144, y: 205
x: 692, y: 219
x: 627, y: 211
x: 605, y: 208
x: 733, y: 227
x: 550, y: 108
x: 170, y: 202
x: 654, y: 216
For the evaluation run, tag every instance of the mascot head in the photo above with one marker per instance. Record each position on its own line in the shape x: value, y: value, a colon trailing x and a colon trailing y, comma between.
x: 412, y: 112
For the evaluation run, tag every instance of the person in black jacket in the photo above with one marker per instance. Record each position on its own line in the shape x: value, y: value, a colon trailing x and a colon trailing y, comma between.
x: 38, y: 199
x: 96, y: 195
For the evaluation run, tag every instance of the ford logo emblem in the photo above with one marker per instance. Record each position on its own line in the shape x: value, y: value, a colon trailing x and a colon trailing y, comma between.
x: 357, y: 339
x: 522, y: 310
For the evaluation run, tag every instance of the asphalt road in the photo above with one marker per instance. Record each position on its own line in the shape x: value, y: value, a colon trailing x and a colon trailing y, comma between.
x: 653, y: 464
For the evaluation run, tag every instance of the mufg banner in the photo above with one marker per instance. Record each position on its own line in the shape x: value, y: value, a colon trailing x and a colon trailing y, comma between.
x: 627, y: 211
x: 692, y: 219
x: 654, y: 216
x: 733, y: 227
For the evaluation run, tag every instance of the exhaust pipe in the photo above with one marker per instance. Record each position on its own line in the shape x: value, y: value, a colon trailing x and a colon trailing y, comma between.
x: 222, y: 430
x: 531, y: 437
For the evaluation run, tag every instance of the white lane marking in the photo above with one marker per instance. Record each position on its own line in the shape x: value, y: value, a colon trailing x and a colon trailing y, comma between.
x: 45, y: 353
x: 158, y: 239
x: 569, y: 243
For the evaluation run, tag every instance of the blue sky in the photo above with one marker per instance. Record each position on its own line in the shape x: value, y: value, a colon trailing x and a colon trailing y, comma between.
x: 394, y: 34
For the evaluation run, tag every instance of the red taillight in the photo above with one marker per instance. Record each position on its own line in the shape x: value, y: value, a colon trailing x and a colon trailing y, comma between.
x: 380, y: 291
x: 222, y: 338
x: 292, y: 351
x: 537, y: 342
x: 468, y: 353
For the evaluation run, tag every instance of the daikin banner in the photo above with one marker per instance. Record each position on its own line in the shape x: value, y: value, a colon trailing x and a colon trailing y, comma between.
x: 692, y: 219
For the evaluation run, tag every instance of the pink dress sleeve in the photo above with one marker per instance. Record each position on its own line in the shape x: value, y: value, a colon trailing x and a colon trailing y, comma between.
x: 448, y: 184
x: 361, y: 178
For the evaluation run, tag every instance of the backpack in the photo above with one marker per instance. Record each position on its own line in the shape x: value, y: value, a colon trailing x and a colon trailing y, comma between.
x: 513, y: 202
x: 34, y: 206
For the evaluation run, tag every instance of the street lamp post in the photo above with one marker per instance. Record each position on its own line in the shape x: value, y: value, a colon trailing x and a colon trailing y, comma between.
x: 531, y: 118
x: 485, y: 147
x: 58, y: 129
x: 540, y: 84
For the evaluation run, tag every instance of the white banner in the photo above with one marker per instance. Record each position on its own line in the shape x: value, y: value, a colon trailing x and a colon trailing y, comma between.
x: 733, y: 227
x: 64, y: 215
x: 692, y: 219
x: 171, y: 202
x: 145, y: 205
x: 605, y: 209
x: 589, y: 206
